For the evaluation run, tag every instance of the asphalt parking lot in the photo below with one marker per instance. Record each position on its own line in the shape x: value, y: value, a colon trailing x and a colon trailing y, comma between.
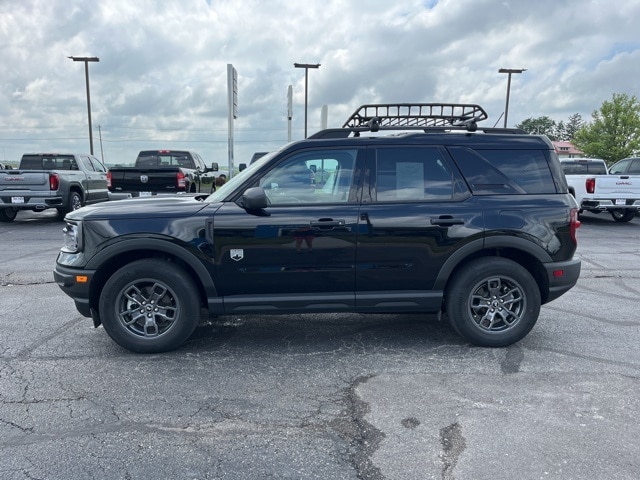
x: 322, y: 396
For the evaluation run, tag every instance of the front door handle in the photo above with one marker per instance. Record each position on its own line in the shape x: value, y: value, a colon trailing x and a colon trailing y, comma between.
x: 447, y: 221
x: 327, y: 224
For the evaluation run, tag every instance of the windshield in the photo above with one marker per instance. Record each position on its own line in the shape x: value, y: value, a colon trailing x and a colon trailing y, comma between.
x: 222, y: 191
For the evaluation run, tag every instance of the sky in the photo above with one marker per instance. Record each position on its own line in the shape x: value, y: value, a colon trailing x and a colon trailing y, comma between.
x: 161, y: 79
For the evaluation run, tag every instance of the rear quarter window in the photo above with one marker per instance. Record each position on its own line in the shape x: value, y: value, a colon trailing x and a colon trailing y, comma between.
x: 490, y: 172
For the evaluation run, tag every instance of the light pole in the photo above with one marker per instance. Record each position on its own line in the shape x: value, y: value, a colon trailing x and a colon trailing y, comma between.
x: 306, y: 67
x: 509, y: 71
x: 86, y: 61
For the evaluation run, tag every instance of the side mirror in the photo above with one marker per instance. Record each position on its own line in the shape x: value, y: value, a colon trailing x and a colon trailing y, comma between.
x: 214, y: 167
x: 254, y: 198
x: 242, y: 166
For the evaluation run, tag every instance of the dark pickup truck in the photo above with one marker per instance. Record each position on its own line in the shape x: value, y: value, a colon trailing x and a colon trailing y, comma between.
x: 163, y: 171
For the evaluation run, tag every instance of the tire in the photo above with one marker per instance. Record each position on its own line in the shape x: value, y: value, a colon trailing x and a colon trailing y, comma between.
x: 8, y: 214
x: 74, y: 203
x: 127, y: 311
x: 623, y: 215
x: 493, y: 302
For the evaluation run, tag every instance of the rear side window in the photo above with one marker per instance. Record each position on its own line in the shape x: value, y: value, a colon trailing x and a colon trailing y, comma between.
x: 414, y: 174
x: 512, y: 172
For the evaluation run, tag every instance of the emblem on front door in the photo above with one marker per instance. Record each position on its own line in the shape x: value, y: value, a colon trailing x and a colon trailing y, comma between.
x: 237, y: 254
x: 144, y: 178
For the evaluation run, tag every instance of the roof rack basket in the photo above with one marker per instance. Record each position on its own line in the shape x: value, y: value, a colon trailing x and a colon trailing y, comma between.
x: 415, y: 115
x: 428, y: 117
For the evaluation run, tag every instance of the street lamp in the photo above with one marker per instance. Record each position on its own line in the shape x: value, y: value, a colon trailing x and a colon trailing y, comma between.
x: 509, y: 71
x: 86, y: 61
x: 306, y: 67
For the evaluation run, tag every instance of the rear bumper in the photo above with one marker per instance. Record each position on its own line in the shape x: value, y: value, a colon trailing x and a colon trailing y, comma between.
x: 30, y: 201
x: 562, y: 277
x: 72, y: 282
x: 609, y: 204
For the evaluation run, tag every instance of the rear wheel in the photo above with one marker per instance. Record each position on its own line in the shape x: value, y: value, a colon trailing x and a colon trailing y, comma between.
x: 8, y: 214
x: 493, y: 302
x: 623, y: 215
x: 149, y: 306
x: 74, y: 203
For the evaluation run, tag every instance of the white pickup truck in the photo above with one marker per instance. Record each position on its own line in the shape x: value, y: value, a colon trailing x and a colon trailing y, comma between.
x: 596, y: 190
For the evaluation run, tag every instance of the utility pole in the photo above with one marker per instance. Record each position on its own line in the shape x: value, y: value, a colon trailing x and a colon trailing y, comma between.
x: 509, y: 71
x: 306, y: 67
x: 86, y: 61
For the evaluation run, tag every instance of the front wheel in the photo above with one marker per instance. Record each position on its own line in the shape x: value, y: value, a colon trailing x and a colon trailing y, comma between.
x: 149, y: 306
x: 8, y: 214
x: 623, y: 215
x: 493, y: 302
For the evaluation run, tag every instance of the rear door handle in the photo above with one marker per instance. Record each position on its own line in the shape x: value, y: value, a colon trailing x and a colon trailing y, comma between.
x: 447, y: 221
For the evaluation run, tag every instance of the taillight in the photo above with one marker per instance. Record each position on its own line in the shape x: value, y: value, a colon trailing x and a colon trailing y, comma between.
x: 54, y: 181
x: 574, y: 224
x: 590, y: 184
x: 182, y: 183
x: 108, y: 179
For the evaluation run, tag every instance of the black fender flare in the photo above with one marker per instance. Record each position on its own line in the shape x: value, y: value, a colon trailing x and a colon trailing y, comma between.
x: 493, y: 242
x: 163, y: 246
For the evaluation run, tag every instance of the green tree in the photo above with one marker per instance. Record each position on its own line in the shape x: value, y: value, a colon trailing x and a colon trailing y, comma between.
x: 539, y: 126
x: 572, y: 126
x: 615, y: 131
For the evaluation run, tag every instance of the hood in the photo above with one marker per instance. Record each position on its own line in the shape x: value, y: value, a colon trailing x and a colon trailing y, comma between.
x: 145, y: 207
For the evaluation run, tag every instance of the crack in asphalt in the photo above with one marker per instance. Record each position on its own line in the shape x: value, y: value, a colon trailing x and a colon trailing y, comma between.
x: 453, y: 445
x: 362, y: 438
x: 15, y: 283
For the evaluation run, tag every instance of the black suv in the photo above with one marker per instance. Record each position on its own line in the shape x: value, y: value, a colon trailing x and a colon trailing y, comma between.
x: 442, y: 217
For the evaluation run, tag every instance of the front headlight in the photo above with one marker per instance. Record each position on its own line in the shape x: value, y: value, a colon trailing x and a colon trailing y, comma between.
x: 72, y: 234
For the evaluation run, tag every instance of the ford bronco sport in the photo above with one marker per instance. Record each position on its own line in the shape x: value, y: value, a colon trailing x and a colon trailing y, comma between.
x: 441, y: 217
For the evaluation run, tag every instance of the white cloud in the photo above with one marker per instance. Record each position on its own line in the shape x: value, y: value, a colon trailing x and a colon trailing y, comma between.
x: 161, y: 80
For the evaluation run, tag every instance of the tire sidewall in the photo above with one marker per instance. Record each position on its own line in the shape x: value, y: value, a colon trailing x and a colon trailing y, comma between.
x: 8, y: 214
x: 72, y: 201
x: 169, y: 274
x: 626, y: 216
x: 465, y: 281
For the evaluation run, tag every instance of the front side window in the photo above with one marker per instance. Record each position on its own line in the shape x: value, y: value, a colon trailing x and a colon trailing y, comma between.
x: 97, y: 165
x: 87, y: 164
x: 311, y: 177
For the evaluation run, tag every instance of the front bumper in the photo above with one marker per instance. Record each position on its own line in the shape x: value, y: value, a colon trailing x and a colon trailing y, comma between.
x: 75, y: 283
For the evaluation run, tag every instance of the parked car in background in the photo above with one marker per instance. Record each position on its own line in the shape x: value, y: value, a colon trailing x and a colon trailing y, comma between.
x: 626, y: 166
x: 598, y: 189
x: 163, y: 172
x: 64, y: 181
